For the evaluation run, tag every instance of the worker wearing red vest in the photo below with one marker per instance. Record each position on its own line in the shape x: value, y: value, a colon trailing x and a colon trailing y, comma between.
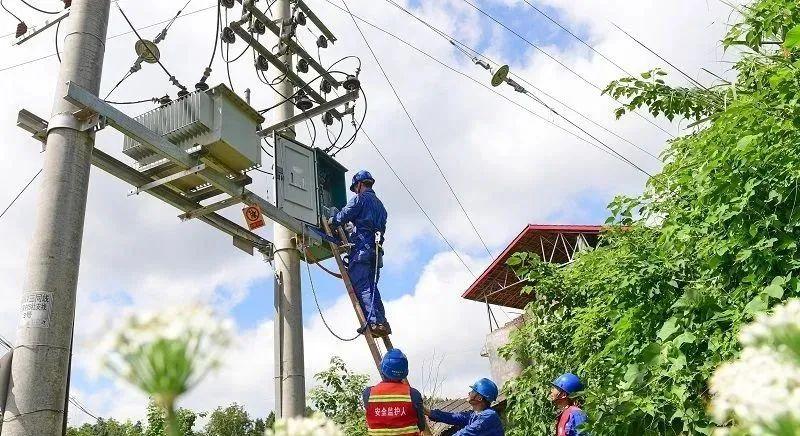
x: 393, y: 407
x: 570, y: 416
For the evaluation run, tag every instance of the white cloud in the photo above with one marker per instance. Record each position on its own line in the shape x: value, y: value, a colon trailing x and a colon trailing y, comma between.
x: 508, y: 168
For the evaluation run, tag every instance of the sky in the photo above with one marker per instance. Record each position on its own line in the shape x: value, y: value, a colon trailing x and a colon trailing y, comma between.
x: 507, y: 166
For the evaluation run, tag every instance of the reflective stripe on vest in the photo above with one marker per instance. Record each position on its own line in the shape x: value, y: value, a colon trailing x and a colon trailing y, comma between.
x: 563, y: 419
x: 390, y: 411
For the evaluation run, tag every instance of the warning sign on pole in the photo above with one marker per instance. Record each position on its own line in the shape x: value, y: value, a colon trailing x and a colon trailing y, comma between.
x: 253, y: 216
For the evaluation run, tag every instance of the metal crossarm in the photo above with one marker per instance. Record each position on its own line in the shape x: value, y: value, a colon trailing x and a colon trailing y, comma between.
x: 128, y: 126
x: 274, y: 28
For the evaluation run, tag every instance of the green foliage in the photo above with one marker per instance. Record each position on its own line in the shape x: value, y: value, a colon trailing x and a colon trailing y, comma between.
x: 661, y: 99
x: 233, y: 421
x: 339, y: 397
x: 157, y: 421
x: 647, y: 316
x: 107, y: 427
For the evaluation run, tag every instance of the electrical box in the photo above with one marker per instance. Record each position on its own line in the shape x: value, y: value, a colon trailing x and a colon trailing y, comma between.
x: 308, y: 181
x: 217, y: 120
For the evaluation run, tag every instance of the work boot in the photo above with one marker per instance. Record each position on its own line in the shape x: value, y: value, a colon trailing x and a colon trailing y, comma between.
x: 381, y: 330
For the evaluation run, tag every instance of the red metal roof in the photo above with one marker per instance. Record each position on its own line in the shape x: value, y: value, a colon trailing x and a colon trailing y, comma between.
x: 552, y: 242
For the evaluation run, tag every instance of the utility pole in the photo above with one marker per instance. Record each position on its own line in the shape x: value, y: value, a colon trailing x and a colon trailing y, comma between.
x: 38, y: 387
x: 290, y: 382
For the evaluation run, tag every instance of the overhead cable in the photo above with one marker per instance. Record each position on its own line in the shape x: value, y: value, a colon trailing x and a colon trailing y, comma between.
x: 556, y: 60
x: 488, y: 88
x: 474, y: 54
x: 158, y: 61
x: 20, y: 193
x: 38, y: 9
x: 422, y: 209
x: 582, y: 41
x: 414, y: 125
x: 30, y: 61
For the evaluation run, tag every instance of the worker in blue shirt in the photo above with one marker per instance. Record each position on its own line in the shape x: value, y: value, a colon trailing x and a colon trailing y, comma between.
x: 570, y: 416
x: 481, y: 421
x: 366, y: 214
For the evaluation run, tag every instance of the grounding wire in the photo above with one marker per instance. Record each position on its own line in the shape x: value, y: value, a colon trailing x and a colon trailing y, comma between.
x: 151, y: 100
x: 20, y: 193
x: 483, y: 85
x: 556, y: 60
x: 414, y: 125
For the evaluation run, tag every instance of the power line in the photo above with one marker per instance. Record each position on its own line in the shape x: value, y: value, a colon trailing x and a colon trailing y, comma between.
x: 411, y: 119
x: 691, y: 79
x: 20, y: 193
x: 147, y: 47
x: 483, y: 85
x: 422, y: 209
x: 23, y: 63
x: 9, y: 12
x: 554, y: 21
x: 556, y: 60
x: 39, y: 10
x: 460, y: 46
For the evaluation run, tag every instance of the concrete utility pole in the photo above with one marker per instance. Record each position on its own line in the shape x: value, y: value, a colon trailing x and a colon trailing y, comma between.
x: 38, y: 387
x: 290, y: 381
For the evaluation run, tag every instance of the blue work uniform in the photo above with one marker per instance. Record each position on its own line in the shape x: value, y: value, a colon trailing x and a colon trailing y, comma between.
x: 416, y: 400
x: 483, y: 423
x: 367, y: 214
x: 574, y: 419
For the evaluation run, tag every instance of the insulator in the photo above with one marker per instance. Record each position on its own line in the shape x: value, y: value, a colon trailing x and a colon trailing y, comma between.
x: 22, y: 29
x: 259, y: 27
x: 325, y: 86
x: 351, y: 83
x: 327, y: 118
x: 227, y: 3
x: 322, y: 42
x: 303, y: 102
x: 302, y: 65
x: 228, y: 35
x: 300, y: 18
x: 262, y: 64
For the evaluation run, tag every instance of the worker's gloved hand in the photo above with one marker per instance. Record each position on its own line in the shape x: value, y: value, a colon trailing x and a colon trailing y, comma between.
x: 332, y: 211
x: 349, y: 227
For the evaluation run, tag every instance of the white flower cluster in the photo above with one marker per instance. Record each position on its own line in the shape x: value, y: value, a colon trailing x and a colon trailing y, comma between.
x: 760, y: 390
x: 317, y: 425
x: 191, y: 339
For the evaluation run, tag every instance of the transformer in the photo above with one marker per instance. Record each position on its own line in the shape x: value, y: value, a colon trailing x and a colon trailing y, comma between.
x: 216, y: 122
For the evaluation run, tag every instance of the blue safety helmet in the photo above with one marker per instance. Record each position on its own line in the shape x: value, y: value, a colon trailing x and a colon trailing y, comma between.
x: 486, y: 388
x: 569, y: 383
x: 360, y: 177
x: 394, y: 365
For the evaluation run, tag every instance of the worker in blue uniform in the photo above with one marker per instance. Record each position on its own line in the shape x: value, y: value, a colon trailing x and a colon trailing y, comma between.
x: 482, y: 420
x: 366, y: 217
x: 570, y: 416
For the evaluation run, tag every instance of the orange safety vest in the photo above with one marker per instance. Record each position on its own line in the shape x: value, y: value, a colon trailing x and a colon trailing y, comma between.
x: 390, y: 411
